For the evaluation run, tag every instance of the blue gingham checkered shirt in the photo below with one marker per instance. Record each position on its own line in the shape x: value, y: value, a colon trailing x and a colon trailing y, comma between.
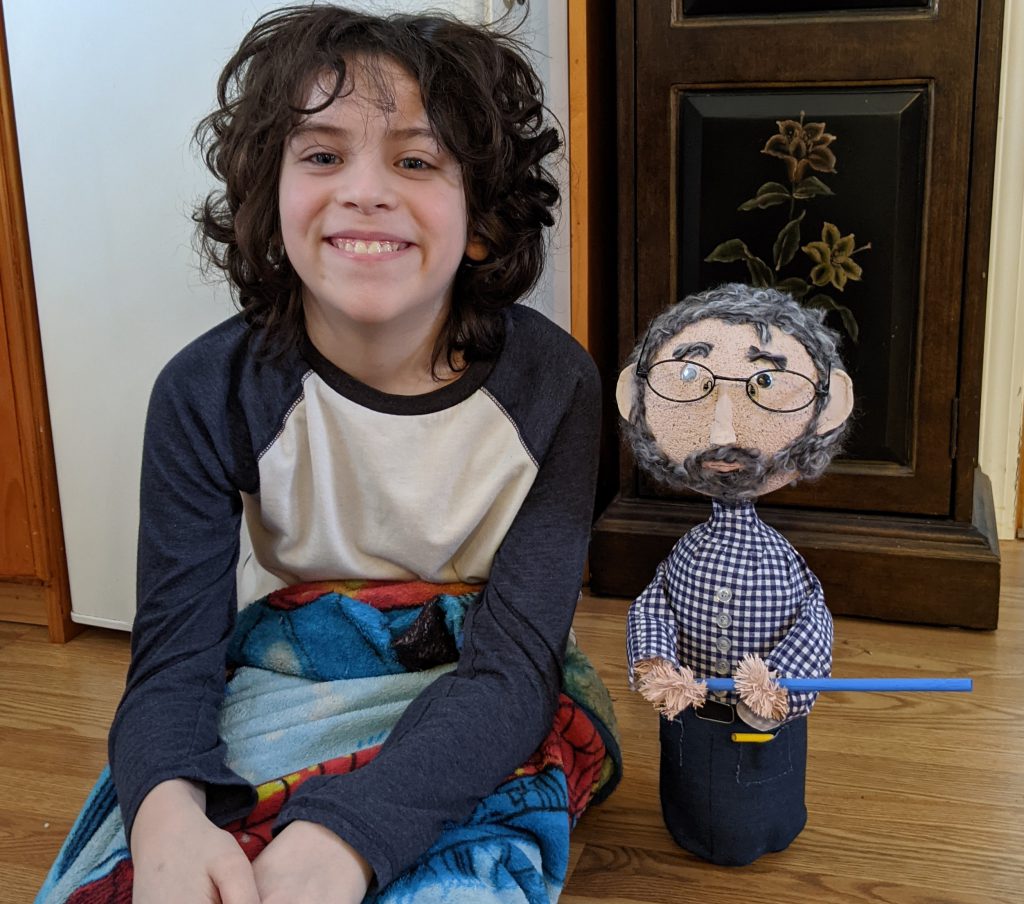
x: 732, y: 586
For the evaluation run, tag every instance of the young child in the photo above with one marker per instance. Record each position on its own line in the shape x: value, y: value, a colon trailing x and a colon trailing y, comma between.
x: 379, y: 410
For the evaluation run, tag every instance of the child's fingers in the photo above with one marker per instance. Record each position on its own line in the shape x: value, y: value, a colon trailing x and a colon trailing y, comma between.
x: 234, y: 879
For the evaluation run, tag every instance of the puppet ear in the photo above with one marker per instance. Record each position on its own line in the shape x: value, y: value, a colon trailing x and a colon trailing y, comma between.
x: 625, y: 390
x: 840, y: 402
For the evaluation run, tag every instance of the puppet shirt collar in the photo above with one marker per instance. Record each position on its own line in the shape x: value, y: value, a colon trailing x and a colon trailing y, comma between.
x: 737, y: 514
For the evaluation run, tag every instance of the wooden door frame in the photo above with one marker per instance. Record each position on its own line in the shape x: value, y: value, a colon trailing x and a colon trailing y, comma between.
x: 44, y: 598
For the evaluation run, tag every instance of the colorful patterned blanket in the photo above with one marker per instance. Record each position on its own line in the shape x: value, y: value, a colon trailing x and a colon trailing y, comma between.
x: 295, y: 708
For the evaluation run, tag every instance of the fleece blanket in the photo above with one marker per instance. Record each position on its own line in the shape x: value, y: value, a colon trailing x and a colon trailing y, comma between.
x: 295, y: 708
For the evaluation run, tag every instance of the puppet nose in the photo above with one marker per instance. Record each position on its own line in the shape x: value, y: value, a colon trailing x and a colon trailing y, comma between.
x: 722, y: 433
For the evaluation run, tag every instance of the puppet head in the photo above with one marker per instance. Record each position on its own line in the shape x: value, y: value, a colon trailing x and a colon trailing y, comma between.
x: 735, y: 392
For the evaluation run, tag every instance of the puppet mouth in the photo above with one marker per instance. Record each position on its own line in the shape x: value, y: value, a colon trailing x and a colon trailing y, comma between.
x: 722, y: 467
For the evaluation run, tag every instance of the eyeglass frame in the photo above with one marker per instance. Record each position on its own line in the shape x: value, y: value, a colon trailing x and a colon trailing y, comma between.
x: 821, y: 390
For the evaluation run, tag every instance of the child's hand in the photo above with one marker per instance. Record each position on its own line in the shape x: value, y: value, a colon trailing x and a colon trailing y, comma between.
x: 308, y: 864
x: 179, y: 855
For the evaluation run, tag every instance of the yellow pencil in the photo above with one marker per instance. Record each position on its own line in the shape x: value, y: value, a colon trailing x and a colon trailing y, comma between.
x: 742, y: 738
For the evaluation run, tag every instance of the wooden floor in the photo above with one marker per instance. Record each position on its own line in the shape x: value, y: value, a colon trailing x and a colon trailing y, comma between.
x: 913, y: 799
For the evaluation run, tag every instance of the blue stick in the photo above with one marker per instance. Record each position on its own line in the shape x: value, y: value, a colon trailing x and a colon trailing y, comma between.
x: 857, y: 684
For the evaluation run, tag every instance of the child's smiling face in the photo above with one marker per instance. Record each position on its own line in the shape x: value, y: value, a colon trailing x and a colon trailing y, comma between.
x: 373, y: 211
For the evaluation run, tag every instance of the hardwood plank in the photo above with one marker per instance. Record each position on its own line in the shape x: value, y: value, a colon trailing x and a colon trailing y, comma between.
x: 913, y: 799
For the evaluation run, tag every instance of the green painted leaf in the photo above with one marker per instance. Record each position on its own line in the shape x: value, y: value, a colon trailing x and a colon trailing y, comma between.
x: 768, y: 195
x: 788, y: 242
x: 845, y: 314
x: 820, y: 301
x: 763, y: 201
x: 795, y: 286
x: 760, y: 273
x: 849, y: 321
x: 811, y: 187
x: 727, y: 252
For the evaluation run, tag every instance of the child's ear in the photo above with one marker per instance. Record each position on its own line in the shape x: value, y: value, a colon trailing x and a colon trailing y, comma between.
x: 625, y: 391
x: 840, y: 402
x: 476, y: 249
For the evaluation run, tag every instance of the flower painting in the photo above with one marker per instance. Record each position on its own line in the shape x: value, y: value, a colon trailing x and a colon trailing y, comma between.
x: 814, y: 269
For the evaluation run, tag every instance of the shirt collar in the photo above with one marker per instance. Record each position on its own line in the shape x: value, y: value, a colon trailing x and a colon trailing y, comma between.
x: 733, y: 514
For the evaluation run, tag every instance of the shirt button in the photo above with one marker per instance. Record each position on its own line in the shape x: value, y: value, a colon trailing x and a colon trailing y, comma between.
x: 723, y: 644
x: 723, y: 595
x: 722, y: 667
x: 723, y: 619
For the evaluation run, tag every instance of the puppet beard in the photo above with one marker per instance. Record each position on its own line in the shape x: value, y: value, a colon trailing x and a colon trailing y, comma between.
x: 745, y: 482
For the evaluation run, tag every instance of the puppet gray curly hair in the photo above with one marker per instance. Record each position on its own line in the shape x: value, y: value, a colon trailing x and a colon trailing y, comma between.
x: 765, y: 309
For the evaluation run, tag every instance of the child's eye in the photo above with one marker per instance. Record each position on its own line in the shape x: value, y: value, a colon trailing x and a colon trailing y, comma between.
x: 414, y: 163
x: 323, y: 158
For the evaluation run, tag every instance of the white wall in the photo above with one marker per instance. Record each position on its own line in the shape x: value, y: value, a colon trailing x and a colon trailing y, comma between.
x: 106, y: 96
x: 1002, y: 397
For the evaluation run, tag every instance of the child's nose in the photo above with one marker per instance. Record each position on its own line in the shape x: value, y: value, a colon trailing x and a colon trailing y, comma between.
x: 722, y: 432
x: 365, y: 186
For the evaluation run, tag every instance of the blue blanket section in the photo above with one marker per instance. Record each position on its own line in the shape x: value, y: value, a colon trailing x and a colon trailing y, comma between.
x: 305, y: 641
x: 294, y: 701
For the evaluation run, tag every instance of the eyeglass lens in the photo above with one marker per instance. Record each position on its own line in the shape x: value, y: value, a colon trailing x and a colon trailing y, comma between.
x: 687, y: 381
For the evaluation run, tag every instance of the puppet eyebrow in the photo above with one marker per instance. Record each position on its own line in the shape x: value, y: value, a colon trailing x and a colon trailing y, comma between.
x: 692, y: 350
x: 756, y: 354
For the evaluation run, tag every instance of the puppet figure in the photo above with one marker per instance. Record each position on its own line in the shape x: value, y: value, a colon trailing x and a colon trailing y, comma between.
x: 735, y: 392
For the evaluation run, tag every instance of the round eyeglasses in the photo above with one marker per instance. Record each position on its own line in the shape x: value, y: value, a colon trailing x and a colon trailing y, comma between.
x: 781, y: 391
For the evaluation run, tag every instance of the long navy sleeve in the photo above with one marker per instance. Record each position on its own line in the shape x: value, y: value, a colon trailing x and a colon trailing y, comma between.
x: 489, y: 480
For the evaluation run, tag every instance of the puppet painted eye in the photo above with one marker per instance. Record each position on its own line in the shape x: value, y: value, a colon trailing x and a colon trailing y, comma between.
x: 689, y: 373
x: 764, y: 381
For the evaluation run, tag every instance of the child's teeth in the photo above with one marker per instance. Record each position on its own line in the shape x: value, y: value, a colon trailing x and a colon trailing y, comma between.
x: 358, y: 246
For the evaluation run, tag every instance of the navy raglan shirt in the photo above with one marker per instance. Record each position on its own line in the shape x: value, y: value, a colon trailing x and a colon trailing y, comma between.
x: 489, y: 479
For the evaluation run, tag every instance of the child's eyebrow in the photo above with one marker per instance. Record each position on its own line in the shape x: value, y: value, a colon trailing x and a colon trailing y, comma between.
x: 311, y: 126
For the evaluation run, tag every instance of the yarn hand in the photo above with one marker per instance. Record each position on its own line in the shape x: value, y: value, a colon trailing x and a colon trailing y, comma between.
x: 669, y: 687
x: 759, y: 690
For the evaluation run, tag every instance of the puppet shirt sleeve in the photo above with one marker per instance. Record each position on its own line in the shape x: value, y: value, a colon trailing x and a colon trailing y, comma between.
x: 652, y: 629
x: 806, y: 650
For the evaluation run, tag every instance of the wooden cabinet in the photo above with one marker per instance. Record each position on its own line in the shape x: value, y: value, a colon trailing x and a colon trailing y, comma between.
x: 33, y: 570
x: 866, y: 119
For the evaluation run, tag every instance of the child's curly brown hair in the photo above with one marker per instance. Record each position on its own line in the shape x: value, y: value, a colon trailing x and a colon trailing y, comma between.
x: 484, y: 102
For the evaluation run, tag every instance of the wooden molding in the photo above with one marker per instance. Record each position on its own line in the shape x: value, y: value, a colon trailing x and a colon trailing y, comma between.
x: 579, y: 149
x: 592, y: 173
x: 17, y: 295
x: 25, y: 603
x: 1019, y: 519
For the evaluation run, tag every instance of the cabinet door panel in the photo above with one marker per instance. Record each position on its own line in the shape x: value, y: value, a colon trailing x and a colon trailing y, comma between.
x: 895, y: 92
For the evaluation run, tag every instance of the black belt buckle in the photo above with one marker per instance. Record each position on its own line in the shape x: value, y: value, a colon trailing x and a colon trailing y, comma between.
x: 714, y: 711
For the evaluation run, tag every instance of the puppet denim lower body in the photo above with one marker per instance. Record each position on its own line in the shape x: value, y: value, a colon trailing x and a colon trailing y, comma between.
x: 731, y: 802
